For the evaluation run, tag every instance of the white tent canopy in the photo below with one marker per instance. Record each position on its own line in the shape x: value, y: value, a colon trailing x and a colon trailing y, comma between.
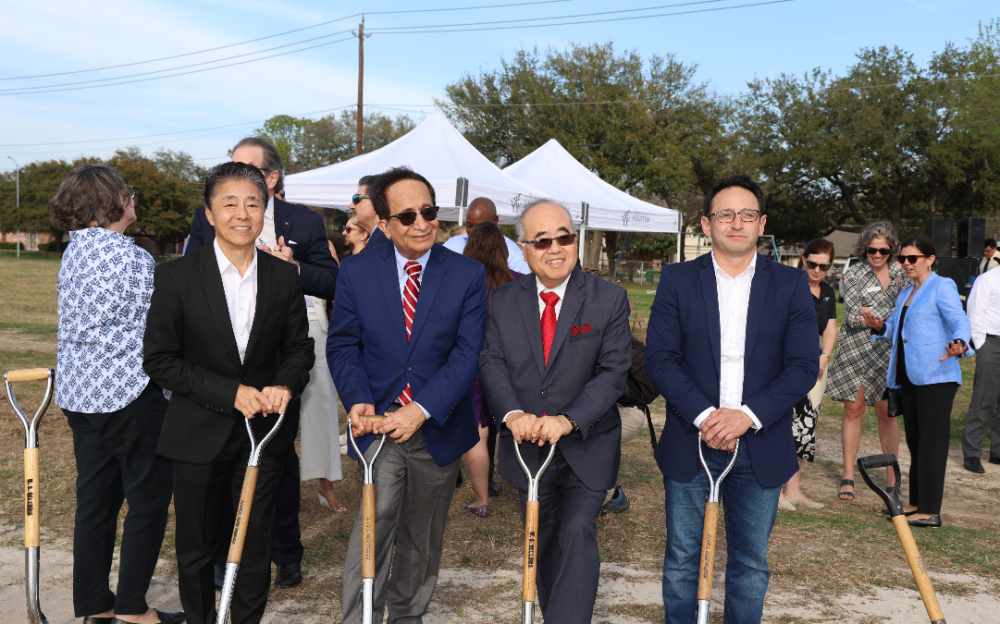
x: 435, y: 150
x: 554, y: 171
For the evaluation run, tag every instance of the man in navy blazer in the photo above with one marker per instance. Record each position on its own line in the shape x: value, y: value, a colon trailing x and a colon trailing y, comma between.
x: 556, y: 354
x: 731, y: 345
x: 297, y: 235
x: 364, y: 210
x: 404, y: 341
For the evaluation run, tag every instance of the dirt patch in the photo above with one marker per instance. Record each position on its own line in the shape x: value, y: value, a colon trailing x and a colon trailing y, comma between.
x: 14, y: 340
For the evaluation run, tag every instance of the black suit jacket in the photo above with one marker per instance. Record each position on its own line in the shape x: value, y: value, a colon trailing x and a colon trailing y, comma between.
x: 584, y: 378
x: 304, y: 232
x: 190, y: 349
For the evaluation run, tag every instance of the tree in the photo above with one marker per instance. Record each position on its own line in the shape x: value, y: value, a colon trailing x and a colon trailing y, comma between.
x: 332, y: 139
x: 285, y: 134
x: 645, y: 126
x: 39, y: 182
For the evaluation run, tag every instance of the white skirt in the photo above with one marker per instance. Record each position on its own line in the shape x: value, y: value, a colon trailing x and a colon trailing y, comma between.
x: 320, y: 421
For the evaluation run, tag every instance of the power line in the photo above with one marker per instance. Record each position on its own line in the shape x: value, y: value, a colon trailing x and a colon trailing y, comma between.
x: 287, y: 32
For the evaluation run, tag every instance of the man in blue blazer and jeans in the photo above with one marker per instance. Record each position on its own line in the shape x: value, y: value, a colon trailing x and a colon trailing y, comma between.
x: 404, y: 341
x: 296, y: 235
x: 731, y: 345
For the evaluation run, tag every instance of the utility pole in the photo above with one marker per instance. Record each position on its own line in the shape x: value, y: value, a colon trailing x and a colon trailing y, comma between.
x: 17, y: 205
x: 360, y: 34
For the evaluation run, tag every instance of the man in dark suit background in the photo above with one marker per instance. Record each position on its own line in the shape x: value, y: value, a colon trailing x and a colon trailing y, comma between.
x: 731, y: 346
x: 217, y: 318
x: 404, y: 340
x: 364, y: 210
x: 296, y: 235
x: 556, y: 354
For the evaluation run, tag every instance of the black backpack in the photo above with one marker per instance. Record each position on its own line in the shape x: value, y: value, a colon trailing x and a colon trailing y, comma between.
x: 639, y: 391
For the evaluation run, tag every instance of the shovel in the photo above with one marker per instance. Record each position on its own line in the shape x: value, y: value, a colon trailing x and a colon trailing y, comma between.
x: 31, y: 500
x: 895, y: 507
x: 243, y: 517
x: 367, y: 522
x: 531, y: 535
x: 707, y: 569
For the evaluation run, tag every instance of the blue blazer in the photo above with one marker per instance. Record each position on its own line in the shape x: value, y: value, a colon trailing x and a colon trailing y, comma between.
x: 584, y: 378
x: 781, y: 362
x: 934, y: 319
x: 304, y: 232
x: 371, y: 361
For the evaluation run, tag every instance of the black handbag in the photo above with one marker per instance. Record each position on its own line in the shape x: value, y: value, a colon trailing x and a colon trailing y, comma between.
x: 895, y: 402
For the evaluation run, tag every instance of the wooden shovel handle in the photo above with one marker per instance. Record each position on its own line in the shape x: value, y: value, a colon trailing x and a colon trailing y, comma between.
x: 243, y: 515
x: 31, y: 526
x: 919, y: 572
x: 368, y: 528
x: 530, y: 551
x: 707, y: 569
x: 28, y: 374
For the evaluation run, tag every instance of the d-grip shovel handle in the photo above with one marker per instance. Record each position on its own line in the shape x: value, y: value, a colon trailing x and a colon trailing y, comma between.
x: 531, y: 531
x: 249, y: 487
x: 367, y: 500
x: 889, y: 497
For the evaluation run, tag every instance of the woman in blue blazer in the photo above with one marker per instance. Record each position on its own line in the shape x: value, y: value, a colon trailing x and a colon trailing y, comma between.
x: 929, y: 332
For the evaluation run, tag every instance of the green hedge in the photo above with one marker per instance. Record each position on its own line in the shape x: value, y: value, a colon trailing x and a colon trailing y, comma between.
x: 11, y: 245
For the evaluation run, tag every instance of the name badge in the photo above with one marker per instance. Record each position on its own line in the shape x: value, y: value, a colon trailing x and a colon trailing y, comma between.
x: 873, y: 289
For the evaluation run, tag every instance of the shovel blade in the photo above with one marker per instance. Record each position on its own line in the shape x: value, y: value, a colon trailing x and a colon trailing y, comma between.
x: 31, y: 575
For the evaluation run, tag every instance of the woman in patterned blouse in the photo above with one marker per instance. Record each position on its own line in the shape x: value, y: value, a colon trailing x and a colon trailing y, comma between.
x: 857, y: 374
x: 115, y: 411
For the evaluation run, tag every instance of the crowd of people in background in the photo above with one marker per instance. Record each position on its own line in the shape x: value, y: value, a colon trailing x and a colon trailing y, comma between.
x: 468, y: 349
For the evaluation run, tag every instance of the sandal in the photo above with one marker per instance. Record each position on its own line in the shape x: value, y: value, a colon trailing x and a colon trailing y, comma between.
x: 482, y: 511
x: 846, y: 496
x: 326, y: 503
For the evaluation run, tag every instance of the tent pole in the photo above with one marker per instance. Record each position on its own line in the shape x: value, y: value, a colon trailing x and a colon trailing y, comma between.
x: 462, y: 199
x: 585, y: 212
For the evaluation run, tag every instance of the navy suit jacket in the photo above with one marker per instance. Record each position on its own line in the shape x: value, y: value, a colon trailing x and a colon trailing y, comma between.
x: 585, y: 375
x: 781, y: 362
x: 371, y: 361
x: 375, y: 239
x: 304, y: 232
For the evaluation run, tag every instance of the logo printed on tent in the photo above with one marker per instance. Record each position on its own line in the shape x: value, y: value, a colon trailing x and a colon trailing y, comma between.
x: 515, y: 203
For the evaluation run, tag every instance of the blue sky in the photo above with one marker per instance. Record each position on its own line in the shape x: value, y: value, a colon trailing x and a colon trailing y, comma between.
x: 729, y: 46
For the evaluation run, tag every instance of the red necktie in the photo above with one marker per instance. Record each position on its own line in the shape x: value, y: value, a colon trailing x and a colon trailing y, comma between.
x: 548, y: 322
x: 410, y: 293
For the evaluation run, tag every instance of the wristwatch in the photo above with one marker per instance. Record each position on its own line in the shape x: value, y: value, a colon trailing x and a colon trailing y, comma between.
x: 826, y: 354
x: 572, y: 422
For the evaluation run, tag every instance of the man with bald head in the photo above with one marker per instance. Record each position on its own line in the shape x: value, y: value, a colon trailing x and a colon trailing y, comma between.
x: 556, y: 353
x: 480, y: 210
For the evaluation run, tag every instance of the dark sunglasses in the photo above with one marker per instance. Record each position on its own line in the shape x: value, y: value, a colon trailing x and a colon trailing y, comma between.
x: 910, y: 259
x: 874, y: 251
x: 350, y: 229
x: 409, y: 217
x: 541, y: 244
x: 356, y: 198
x: 815, y: 265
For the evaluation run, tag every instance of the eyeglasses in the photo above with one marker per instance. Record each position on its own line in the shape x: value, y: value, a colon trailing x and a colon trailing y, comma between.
x: 875, y: 251
x: 131, y: 188
x: 348, y: 229
x: 409, y: 217
x: 815, y: 265
x: 728, y: 216
x: 541, y: 244
x: 910, y: 259
x: 358, y: 198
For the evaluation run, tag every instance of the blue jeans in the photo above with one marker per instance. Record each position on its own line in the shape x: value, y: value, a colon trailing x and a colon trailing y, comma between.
x: 750, y: 510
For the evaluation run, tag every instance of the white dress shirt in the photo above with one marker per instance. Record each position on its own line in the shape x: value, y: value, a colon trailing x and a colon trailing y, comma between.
x: 734, y: 303
x: 403, y: 276
x: 241, y: 296
x: 984, y: 308
x: 515, y: 257
x: 988, y: 264
x: 559, y: 290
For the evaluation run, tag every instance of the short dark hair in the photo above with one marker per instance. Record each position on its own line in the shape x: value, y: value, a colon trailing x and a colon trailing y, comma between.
x: 272, y: 159
x: 818, y: 246
x: 367, y: 180
x: 924, y: 244
x: 741, y: 181
x: 229, y: 171
x: 991, y: 242
x: 89, y: 193
x: 386, y: 179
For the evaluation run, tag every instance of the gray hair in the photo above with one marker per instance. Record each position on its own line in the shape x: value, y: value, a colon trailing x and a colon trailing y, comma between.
x: 535, y: 202
x: 272, y: 159
x: 874, y: 230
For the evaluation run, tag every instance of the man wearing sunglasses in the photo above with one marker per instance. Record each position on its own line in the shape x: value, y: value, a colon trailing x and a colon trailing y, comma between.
x: 404, y: 341
x: 555, y: 357
x: 732, y: 347
x: 364, y: 210
x: 297, y: 235
x: 482, y: 209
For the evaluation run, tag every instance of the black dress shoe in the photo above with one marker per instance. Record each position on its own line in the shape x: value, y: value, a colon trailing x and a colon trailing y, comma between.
x: 973, y: 464
x: 165, y: 618
x: 494, y: 488
x: 994, y: 459
x: 289, y: 575
x: 97, y: 620
x: 934, y: 522
x: 220, y: 576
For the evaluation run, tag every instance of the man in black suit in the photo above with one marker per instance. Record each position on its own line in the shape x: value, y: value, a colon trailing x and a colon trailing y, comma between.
x: 555, y: 357
x: 296, y: 235
x: 217, y: 318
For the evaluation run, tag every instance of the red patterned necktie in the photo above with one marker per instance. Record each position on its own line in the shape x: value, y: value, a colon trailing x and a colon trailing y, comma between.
x: 548, y: 322
x: 410, y: 293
